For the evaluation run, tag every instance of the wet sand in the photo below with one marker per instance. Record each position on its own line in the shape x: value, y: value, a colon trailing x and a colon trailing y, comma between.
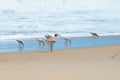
x: 98, y: 63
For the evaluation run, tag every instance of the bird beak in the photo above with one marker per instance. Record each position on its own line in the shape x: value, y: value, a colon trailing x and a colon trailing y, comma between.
x: 60, y: 36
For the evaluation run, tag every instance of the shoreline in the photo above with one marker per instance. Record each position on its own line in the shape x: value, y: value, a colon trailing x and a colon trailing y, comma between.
x: 56, y: 51
x: 60, y: 50
x: 77, y: 42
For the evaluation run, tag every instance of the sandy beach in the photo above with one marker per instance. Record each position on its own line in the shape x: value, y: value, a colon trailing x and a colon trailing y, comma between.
x: 84, y: 36
x: 99, y: 63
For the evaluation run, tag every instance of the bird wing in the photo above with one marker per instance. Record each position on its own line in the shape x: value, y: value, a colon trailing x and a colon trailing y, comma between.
x: 48, y: 36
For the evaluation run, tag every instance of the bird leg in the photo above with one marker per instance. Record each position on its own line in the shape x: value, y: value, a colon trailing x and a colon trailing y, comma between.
x: 69, y: 42
x: 51, y: 47
x: 22, y: 45
x: 19, y: 44
x: 41, y: 42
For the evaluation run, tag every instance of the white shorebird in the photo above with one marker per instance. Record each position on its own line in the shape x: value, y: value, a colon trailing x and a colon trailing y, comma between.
x: 67, y: 40
x: 51, y: 40
x: 94, y: 34
x: 21, y: 44
x: 40, y: 40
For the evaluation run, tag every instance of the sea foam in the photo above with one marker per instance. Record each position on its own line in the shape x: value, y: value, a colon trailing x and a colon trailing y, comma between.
x: 73, y: 23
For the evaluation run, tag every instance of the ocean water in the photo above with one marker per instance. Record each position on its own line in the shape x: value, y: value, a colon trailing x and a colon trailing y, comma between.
x: 31, y: 45
x: 73, y: 23
x: 70, y: 23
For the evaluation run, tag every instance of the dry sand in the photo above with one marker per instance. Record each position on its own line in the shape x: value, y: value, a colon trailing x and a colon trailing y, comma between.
x: 100, y: 63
